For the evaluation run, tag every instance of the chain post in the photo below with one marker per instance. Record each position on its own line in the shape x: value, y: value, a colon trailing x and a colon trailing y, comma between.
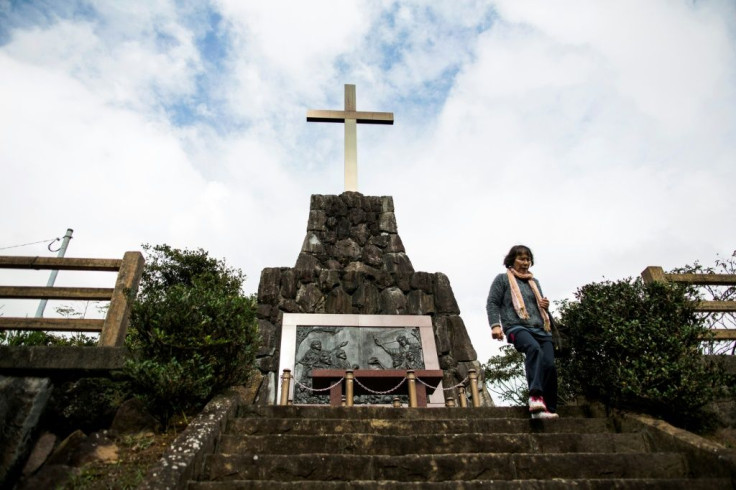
x: 285, y: 382
x: 463, y: 397
x: 412, y: 379
x: 349, y: 376
x: 450, y: 403
x: 396, y: 402
x: 473, y: 375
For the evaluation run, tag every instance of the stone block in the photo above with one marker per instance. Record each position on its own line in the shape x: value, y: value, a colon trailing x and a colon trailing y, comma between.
x: 338, y: 302
x: 397, y: 262
x: 317, y: 221
x: 356, y: 216
x: 423, y: 281
x: 419, y: 303
x: 381, y: 240
x: 263, y: 310
x: 288, y: 284
x: 347, y: 249
x: 342, y: 228
x: 312, y: 244
x: 334, y: 206
x: 387, y: 204
x: 317, y: 201
x: 393, y: 301
x: 387, y: 223
x: 462, y: 348
x: 306, y: 262
x: 402, y: 280
x: 268, y: 288
x: 268, y: 338
x: 360, y: 233
x: 395, y: 244
x: 366, y: 299
x: 443, y: 334
x: 373, y: 256
x: 444, y: 299
x: 328, y: 279
x: 310, y: 298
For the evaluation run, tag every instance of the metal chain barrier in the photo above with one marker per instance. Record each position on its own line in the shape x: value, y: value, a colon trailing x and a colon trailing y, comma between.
x: 461, y: 383
x: 305, y: 387
x: 380, y: 392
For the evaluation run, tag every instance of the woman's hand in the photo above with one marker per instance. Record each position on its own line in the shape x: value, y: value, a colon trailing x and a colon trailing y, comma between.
x: 544, y: 303
x: 497, y: 332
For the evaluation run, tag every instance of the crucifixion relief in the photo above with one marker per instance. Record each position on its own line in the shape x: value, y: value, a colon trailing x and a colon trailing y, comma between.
x: 350, y: 117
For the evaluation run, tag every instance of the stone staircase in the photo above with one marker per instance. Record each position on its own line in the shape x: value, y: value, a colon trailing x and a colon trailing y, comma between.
x: 444, y: 448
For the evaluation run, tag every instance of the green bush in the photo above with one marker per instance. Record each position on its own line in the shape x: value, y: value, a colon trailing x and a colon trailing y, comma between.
x: 192, y: 331
x: 636, y: 345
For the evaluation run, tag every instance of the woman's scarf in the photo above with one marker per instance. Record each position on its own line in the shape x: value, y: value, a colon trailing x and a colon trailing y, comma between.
x: 518, y: 300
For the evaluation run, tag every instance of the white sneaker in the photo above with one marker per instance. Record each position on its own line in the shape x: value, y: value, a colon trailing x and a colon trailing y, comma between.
x: 545, y: 415
x: 536, y: 404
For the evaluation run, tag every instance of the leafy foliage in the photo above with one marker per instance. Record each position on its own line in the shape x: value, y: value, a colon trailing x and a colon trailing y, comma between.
x: 505, y: 376
x: 638, y: 346
x: 192, y: 331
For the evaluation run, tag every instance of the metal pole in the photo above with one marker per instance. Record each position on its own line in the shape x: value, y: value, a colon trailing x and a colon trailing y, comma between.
x: 52, y: 277
x: 285, y: 382
x: 412, y: 380
x: 349, y: 377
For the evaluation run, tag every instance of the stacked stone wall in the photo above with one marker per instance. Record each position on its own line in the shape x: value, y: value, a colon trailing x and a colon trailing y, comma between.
x: 353, y: 262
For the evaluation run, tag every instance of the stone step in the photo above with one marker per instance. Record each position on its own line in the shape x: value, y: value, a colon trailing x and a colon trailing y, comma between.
x: 445, y: 467
x: 558, y: 484
x: 434, y: 443
x: 310, y: 426
x: 300, y: 411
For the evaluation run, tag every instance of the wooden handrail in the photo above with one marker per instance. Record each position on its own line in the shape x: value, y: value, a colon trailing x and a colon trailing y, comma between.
x: 115, y: 325
x: 51, y: 324
x: 60, y: 263
x: 32, y: 292
x: 657, y: 274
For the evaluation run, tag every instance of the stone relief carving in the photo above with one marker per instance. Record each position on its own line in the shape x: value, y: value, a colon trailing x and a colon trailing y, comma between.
x: 352, y: 348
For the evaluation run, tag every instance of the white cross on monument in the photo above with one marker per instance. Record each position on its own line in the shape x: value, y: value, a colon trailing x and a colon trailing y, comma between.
x: 350, y: 117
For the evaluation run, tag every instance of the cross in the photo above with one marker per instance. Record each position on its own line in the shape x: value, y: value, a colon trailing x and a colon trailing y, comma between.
x: 350, y: 117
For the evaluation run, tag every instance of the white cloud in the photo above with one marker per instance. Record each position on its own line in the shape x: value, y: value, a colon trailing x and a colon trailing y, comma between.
x: 600, y: 134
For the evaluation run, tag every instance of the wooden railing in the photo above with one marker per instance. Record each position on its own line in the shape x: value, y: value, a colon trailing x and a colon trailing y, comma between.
x: 112, y: 329
x: 654, y: 273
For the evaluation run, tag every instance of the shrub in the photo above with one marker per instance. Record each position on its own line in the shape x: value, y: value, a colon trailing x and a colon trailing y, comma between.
x: 638, y: 346
x: 192, y: 331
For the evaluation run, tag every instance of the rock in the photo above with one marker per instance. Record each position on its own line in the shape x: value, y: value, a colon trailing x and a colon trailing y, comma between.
x: 288, y: 284
x: 49, y: 476
x: 268, y: 288
x: 393, y: 301
x: 41, y: 450
x: 388, y: 223
x: 309, y: 297
x: 338, y: 302
x: 132, y: 417
x: 444, y: 299
x: 66, y: 452
x: 22, y: 401
x: 268, y: 338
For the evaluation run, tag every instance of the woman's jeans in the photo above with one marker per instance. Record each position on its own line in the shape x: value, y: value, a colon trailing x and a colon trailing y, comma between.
x: 539, y: 361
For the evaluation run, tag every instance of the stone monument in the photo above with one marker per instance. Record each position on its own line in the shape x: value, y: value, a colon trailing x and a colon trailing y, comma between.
x: 353, y: 263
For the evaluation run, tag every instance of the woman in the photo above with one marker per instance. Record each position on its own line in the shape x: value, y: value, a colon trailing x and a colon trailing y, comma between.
x: 517, y: 309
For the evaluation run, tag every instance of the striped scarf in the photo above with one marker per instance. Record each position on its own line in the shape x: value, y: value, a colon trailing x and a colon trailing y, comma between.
x: 518, y: 300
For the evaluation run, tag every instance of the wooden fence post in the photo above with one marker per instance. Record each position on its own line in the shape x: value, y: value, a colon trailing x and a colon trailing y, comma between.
x: 126, y: 287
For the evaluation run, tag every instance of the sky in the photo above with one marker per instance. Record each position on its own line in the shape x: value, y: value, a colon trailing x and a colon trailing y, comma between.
x: 601, y: 134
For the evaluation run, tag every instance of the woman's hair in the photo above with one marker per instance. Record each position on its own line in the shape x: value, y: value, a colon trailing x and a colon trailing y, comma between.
x: 514, y: 252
